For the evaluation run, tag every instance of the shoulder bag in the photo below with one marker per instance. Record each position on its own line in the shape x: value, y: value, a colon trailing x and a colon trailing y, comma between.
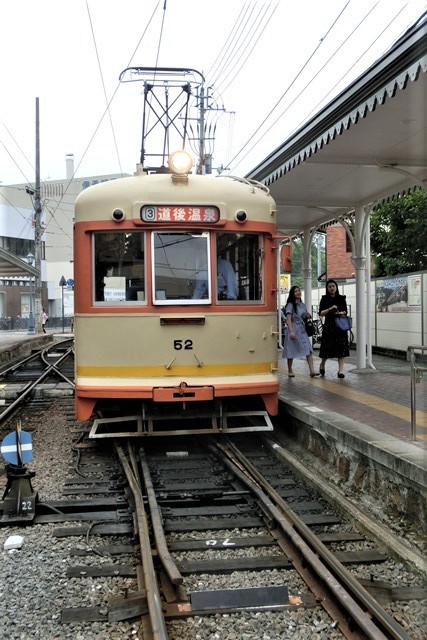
x: 344, y: 323
x: 308, y: 324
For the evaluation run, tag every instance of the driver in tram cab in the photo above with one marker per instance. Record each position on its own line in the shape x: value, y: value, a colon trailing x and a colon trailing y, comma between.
x: 225, y: 279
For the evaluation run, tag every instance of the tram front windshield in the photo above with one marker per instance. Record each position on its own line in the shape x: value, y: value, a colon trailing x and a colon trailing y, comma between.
x: 181, y: 268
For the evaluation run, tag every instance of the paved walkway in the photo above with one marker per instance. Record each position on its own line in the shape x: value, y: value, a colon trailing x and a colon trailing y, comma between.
x: 380, y: 398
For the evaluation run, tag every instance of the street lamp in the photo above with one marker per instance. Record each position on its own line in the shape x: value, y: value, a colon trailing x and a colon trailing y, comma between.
x: 31, y: 326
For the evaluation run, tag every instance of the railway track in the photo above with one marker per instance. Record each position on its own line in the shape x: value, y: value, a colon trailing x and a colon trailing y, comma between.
x: 215, y: 531
x: 43, y: 366
x: 204, y: 514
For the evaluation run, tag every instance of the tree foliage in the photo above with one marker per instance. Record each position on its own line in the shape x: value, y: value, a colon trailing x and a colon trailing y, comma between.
x: 399, y: 235
x: 297, y: 275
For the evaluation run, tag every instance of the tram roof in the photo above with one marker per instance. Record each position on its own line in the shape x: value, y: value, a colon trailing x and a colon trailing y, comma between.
x: 366, y: 146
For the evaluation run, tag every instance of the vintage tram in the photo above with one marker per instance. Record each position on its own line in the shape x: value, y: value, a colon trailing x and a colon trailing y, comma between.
x: 175, y: 303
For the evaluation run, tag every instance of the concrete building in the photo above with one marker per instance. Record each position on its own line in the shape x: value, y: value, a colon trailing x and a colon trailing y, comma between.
x: 17, y: 238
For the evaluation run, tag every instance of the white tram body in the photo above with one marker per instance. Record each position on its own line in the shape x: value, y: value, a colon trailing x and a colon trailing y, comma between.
x: 163, y: 335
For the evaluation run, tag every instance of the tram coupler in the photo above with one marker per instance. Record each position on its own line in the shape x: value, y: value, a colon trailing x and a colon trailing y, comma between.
x: 19, y: 499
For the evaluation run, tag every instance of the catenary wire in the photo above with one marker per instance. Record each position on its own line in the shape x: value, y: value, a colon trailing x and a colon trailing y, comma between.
x: 291, y: 84
x: 252, y: 41
x: 108, y: 106
x: 311, y: 81
x: 321, y: 69
x: 225, y: 47
x: 14, y: 161
x: 103, y: 87
x: 242, y: 31
x: 358, y: 59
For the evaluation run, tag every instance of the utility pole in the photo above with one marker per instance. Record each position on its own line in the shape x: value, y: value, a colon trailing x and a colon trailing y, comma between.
x: 37, y: 225
x: 201, y: 168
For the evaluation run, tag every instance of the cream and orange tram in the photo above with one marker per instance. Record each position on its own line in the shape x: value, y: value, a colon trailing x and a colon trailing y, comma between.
x: 175, y: 304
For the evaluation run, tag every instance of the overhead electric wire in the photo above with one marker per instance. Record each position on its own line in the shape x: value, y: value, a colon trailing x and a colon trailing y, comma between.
x: 242, y: 35
x: 318, y: 72
x: 16, y: 209
x: 107, y: 108
x: 103, y: 86
x: 252, y: 41
x: 14, y: 161
x: 235, y: 39
x: 158, y: 52
x: 224, y: 48
x: 358, y: 59
x: 322, y: 40
x: 314, y: 77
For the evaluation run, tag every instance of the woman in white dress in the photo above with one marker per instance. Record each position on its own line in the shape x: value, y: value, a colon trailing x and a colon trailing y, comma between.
x: 297, y: 343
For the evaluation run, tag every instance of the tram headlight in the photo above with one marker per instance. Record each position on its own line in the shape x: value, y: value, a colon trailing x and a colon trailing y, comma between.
x: 180, y: 162
x: 241, y: 216
x: 118, y: 215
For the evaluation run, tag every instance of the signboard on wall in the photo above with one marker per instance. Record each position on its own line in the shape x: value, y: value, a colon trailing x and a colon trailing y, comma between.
x: 398, y: 294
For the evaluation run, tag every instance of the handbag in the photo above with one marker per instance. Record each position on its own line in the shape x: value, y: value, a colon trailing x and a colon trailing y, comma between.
x: 344, y: 323
x: 308, y: 324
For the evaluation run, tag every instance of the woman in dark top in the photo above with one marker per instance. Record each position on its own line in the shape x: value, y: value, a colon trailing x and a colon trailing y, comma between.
x: 334, y: 342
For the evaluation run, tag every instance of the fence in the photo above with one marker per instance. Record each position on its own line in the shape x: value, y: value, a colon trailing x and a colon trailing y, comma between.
x: 398, y: 310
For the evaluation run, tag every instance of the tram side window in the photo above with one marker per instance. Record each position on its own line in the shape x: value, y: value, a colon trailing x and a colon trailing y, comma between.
x: 181, y: 261
x: 240, y: 253
x: 119, y: 267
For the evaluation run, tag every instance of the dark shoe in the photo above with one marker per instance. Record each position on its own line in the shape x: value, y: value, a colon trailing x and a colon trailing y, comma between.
x: 291, y: 375
x: 322, y: 372
x: 341, y: 375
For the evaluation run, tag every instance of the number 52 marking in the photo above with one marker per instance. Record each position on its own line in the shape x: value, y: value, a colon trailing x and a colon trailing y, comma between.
x: 182, y: 344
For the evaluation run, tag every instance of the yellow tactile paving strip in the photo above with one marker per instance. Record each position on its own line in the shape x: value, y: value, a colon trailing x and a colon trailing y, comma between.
x: 392, y: 408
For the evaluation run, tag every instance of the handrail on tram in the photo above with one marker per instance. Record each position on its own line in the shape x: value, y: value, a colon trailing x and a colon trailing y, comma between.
x: 417, y: 372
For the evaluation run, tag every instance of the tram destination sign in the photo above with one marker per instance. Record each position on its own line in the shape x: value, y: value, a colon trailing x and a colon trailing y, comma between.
x: 180, y: 214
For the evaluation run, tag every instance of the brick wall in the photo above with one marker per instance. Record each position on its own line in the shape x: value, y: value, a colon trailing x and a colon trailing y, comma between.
x: 338, y: 259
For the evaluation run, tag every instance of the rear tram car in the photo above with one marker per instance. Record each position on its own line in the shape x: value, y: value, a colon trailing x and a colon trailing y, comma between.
x: 176, y: 304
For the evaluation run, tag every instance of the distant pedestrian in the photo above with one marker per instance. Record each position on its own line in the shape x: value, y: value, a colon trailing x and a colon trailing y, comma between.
x: 297, y: 343
x: 43, y: 319
x: 334, y: 342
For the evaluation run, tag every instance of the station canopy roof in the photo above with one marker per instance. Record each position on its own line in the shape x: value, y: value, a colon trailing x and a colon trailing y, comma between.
x: 368, y: 145
x: 13, y: 267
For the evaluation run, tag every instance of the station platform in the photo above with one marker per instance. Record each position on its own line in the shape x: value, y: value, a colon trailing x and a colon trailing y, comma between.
x: 358, y: 429
x: 378, y: 398
x: 13, y: 344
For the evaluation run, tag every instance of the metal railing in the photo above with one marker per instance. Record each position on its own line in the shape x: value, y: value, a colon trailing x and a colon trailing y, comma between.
x: 417, y: 372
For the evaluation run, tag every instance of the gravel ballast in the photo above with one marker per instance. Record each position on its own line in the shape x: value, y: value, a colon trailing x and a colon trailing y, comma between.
x: 34, y: 587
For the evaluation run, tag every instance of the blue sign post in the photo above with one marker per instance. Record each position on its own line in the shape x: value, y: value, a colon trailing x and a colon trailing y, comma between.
x: 19, y: 500
x: 17, y: 449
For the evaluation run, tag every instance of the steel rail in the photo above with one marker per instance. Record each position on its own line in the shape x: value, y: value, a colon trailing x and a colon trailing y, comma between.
x: 32, y: 356
x: 29, y: 388
x: 57, y: 371
x: 165, y: 557
x: 157, y: 621
x: 18, y: 365
x: 352, y: 596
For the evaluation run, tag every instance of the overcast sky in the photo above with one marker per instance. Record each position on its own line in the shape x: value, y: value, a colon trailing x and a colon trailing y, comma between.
x: 272, y: 63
